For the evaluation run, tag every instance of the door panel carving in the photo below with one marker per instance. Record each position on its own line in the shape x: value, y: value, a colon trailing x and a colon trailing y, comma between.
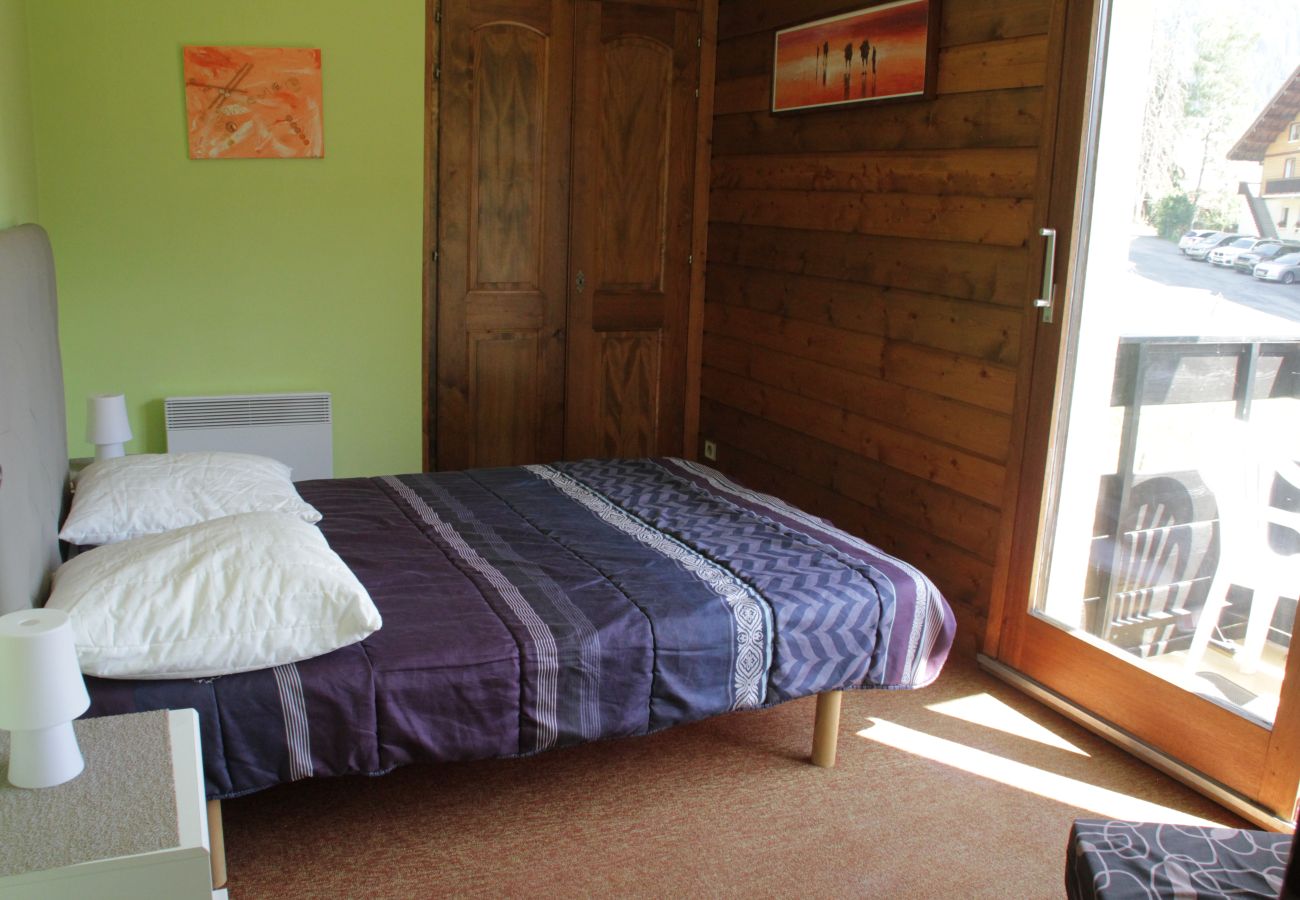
x: 503, y: 187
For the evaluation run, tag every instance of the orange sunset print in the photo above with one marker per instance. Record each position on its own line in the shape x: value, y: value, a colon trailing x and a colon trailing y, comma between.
x: 872, y: 54
x: 253, y: 102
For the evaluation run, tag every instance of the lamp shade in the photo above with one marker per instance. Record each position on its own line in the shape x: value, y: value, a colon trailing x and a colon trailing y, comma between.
x: 41, y: 692
x: 40, y: 679
x: 106, y: 421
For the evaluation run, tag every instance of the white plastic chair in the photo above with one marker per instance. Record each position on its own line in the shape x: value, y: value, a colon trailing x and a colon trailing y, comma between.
x: 1241, y: 474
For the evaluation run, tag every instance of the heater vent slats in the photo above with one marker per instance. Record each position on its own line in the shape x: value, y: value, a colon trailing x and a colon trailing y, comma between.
x: 255, y: 409
x: 296, y: 429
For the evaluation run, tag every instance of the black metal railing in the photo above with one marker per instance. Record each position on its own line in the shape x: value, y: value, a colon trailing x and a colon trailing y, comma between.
x: 1281, y: 186
x: 1156, y: 544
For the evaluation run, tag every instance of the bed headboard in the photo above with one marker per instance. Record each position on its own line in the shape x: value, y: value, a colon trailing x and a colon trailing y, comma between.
x: 33, y: 431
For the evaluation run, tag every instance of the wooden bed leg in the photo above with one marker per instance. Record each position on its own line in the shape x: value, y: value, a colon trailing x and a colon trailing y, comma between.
x: 216, y: 844
x: 826, y: 729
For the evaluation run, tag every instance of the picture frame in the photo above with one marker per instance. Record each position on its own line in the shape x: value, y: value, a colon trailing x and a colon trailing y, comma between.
x: 253, y: 102
x: 881, y: 53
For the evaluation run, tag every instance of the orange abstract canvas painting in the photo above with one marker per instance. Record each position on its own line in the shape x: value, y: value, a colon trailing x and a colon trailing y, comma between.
x: 882, y: 52
x: 253, y: 102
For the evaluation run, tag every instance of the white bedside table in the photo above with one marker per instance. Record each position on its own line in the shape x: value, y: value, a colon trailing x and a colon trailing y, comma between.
x: 132, y: 825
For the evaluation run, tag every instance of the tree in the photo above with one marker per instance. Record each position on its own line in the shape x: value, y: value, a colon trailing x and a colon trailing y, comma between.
x: 1162, y: 117
x: 1212, y: 93
x: 1172, y: 213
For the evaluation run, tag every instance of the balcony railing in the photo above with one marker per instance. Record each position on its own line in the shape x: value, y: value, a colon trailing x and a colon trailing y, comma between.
x: 1156, y: 543
x: 1276, y: 186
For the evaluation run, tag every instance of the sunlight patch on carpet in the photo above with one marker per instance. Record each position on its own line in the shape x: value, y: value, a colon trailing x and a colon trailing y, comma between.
x: 1059, y: 788
x: 989, y: 712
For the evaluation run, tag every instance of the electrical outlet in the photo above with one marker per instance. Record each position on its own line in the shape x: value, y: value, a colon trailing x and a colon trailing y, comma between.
x: 711, y: 451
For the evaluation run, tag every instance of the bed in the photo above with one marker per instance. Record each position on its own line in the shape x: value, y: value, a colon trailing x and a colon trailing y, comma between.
x: 536, y: 607
x: 524, y: 608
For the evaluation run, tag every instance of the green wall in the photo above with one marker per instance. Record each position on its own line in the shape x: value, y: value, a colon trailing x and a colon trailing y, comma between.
x: 17, y: 154
x: 181, y: 276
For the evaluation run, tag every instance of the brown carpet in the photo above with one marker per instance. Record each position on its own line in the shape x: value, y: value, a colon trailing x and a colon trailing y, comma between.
x: 726, y: 807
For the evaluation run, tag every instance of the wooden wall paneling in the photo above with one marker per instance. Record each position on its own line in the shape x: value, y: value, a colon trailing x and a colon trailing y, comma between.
x: 870, y: 269
x: 1007, y: 118
x: 892, y: 493
x: 965, y: 271
x: 635, y: 123
x: 946, y: 375
x: 973, y: 329
x: 975, y: 220
x: 991, y: 20
x: 899, y: 448
x: 1014, y: 63
x: 685, y: 5
x: 983, y: 432
x: 965, y: 172
x: 700, y: 228
x: 502, y: 230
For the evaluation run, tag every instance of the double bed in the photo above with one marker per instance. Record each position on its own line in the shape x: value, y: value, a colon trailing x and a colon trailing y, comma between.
x: 524, y: 608
x: 536, y: 607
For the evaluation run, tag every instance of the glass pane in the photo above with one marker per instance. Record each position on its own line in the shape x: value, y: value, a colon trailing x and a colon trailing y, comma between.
x: 1173, y: 541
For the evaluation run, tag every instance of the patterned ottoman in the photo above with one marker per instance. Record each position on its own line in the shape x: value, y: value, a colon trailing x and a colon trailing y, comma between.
x: 1113, y: 860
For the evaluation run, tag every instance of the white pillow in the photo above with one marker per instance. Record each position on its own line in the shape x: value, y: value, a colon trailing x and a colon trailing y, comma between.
x: 244, y: 592
x: 118, y: 499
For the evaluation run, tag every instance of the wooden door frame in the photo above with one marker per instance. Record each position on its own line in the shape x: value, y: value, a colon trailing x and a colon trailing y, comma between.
x: 1072, y: 82
x: 429, y: 285
x: 700, y: 228
x: 1071, y: 34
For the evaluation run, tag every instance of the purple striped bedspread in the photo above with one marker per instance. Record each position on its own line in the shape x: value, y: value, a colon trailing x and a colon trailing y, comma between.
x: 541, y: 606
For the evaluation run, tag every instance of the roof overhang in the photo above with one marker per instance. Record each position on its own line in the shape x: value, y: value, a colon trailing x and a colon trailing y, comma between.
x: 1278, y: 114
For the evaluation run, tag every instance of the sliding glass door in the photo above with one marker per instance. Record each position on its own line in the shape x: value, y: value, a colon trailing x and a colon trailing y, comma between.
x: 1157, y: 563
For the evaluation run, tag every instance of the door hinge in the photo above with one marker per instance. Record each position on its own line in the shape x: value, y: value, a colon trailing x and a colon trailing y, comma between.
x: 690, y: 260
x: 437, y: 73
x: 697, y: 93
x: 435, y: 254
x: 699, y: 42
x: 437, y: 14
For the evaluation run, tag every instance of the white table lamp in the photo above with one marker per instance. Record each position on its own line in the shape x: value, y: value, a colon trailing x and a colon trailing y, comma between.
x: 41, y: 692
x: 106, y: 424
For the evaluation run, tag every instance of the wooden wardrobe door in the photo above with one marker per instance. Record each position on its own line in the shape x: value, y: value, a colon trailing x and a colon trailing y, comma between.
x: 503, y: 184
x: 636, y: 72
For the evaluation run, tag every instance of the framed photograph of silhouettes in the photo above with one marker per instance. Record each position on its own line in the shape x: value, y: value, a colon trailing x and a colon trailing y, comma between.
x: 886, y: 51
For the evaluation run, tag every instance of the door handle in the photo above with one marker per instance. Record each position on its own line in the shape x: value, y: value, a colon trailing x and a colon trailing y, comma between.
x: 580, y: 282
x: 1044, y: 301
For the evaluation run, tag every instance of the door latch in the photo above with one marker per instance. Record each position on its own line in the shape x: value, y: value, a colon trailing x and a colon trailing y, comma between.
x: 580, y: 282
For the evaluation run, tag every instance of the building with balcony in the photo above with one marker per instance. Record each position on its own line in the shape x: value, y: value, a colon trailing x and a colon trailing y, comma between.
x: 1273, y: 140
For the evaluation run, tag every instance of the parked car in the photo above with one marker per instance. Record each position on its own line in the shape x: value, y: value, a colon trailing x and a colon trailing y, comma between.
x: 1285, y: 268
x: 1200, y: 249
x: 1226, y: 254
x: 1203, y: 240
x: 1263, y: 252
x: 1192, y: 236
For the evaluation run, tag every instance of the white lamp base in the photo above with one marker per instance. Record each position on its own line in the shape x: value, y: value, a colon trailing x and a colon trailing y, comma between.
x: 44, y: 757
x: 109, y: 451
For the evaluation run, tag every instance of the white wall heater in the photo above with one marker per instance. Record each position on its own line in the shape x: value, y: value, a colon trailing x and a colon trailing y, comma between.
x: 296, y: 429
